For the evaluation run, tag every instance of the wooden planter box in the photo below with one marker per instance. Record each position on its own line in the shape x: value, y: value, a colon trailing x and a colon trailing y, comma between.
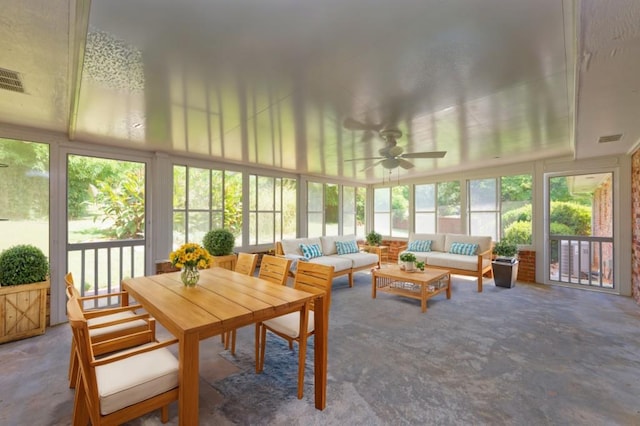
x: 23, y: 311
x: 226, y: 262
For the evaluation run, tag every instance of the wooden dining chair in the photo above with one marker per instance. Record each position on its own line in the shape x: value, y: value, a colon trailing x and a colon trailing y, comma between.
x: 272, y: 268
x: 107, y: 324
x: 124, y: 385
x: 312, y: 278
x: 246, y: 263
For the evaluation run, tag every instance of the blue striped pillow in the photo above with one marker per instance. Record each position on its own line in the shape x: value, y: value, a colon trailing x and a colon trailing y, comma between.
x: 346, y: 247
x: 463, y: 248
x: 420, y: 245
x: 309, y: 251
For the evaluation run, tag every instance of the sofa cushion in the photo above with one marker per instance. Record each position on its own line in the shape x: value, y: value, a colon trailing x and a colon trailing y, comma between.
x: 339, y: 263
x: 467, y: 249
x: 437, y: 240
x: 329, y: 243
x: 420, y: 245
x: 346, y: 247
x: 310, y: 251
x: 292, y: 246
x: 455, y: 261
x: 360, y: 260
x: 484, y: 243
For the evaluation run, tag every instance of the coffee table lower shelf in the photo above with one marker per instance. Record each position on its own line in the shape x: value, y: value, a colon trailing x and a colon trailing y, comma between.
x: 419, y: 285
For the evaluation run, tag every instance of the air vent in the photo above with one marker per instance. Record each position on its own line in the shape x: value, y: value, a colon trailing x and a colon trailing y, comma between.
x: 610, y: 138
x: 10, y: 80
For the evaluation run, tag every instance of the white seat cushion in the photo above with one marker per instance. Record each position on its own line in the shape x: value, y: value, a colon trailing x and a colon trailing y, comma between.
x: 339, y: 263
x: 289, y: 324
x: 135, y: 379
x: 93, y: 332
x: 361, y: 259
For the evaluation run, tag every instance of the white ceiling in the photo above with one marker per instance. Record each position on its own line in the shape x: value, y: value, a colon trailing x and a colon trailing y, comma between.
x: 270, y: 82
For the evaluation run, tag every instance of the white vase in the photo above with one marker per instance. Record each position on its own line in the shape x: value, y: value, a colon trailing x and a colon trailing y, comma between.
x: 409, y: 266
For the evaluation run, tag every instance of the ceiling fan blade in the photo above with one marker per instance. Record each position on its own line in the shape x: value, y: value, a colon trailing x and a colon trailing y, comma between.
x: 352, y: 124
x: 365, y: 158
x: 371, y: 166
x: 405, y: 164
x: 428, y: 154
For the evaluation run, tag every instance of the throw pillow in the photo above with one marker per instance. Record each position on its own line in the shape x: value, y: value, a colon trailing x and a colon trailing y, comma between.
x: 346, y: 247
x: 420, y: 245
x: 309, y: 251
x: 463, y: 248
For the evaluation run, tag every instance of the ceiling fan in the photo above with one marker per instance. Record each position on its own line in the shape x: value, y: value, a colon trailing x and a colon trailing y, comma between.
x: 392, y: 155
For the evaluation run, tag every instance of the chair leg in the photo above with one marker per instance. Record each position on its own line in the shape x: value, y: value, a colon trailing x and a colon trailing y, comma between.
x: 164, y: 411
x: 80, y: 409
x: 290, y: 345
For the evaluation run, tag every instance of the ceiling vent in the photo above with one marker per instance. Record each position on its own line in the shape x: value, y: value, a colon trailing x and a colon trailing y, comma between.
x: 10, y: 80
x: 610, y: 138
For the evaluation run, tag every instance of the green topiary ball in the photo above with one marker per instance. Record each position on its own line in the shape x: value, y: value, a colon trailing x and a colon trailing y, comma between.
x: 219, y: 242
x: 23, y: 264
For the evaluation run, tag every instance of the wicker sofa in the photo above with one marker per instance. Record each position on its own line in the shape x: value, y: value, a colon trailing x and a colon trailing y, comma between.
x: 444, y: 249
x: 344, y: 264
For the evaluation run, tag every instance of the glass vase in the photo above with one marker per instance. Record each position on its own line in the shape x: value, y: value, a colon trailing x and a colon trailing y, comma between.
x: 190, y: 275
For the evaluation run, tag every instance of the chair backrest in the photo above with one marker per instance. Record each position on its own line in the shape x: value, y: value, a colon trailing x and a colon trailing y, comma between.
x: 246, y: 263
x: 71, y: 289
x: 315, y: 278
x: 274, y: 269
x: 84, y: 350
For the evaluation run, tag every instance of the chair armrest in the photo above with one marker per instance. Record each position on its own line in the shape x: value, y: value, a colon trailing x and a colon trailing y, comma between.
x: 90, y: 314
x: 120, y: 321
x: 132, y: 352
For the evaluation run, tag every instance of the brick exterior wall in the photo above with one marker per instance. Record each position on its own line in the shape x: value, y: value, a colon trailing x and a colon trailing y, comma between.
x: 635, y: 225
x: 527, y: 266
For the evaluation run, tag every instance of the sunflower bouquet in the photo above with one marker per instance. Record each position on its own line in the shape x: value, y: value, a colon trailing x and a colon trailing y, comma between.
x: 190, y: 255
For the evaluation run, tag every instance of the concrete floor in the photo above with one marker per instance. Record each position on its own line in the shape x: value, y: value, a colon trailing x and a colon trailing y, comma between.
x: 532, y: 354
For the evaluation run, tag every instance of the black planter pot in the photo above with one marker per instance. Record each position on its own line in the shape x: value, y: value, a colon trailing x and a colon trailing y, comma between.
x: 505, y: 272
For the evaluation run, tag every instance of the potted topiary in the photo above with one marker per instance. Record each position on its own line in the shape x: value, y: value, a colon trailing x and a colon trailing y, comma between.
x: 219, y: 243
x: 373, y: 239
x: 505, y: 265
x: 409, y: 261
x: 24, y: 273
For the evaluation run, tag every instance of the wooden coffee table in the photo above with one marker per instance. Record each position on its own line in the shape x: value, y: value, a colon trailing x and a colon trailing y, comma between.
x: 416, y: 285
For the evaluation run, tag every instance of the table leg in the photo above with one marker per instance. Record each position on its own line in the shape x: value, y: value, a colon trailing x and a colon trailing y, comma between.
x: 188, y: 379
x: 373, y: 285
x: 449, y: 287
x: 302, y: 347
x: 320, y: 354
x: 423, y: 297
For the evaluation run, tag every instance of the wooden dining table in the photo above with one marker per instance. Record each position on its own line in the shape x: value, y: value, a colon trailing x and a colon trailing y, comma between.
x: 222, y: 300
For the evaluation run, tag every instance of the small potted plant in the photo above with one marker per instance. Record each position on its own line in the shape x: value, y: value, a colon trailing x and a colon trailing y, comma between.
x: 373, y: 239
x: 505, y: 265
x: 24, y: 271
x: 409, y: 261
x: 219, y: 243
x: 420, y: 266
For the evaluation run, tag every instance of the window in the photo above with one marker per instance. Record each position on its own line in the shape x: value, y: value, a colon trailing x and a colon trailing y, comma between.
x: 272, y: 209
x: 349, y: 210
x: 331, y: 210
x: 315, y: 209
x: 483, y: 207
x: 425, y: 210
x: 205, y: 199
x: 391, y: 211
x: 515, y: 208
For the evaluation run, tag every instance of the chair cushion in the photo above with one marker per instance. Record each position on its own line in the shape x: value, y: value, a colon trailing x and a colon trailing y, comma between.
x: 339, y: 263
x: 346, y: 247
x: 94, y: 332
x: 131, y: 380
x: 467, y: 249
x: 420, y: 245
x: 358, y: 260
x: 289, y: 324
x: 309, y: 251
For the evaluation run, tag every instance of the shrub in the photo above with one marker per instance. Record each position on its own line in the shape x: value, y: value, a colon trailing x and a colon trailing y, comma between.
x: 518, y: 232
x: 560, y: 229
x: 521, y: 214
x: 219, y: 242
x: 23, y: 264
x: 575, y: 216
